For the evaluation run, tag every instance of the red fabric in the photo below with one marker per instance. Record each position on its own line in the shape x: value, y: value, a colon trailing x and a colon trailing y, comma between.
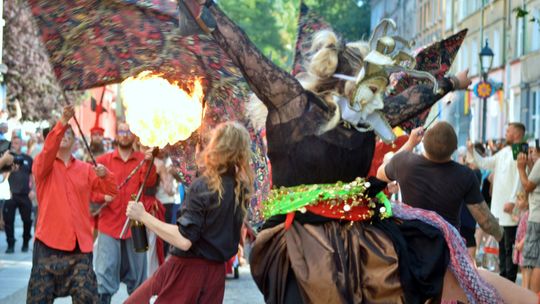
x: 63, y: 193
x: 156, y: 208
x: 358, y: 213
x: 113, y: 216
x: 289, y: 219
x: 229, y: 265
x: 183, y: 280
x: 381, y: 149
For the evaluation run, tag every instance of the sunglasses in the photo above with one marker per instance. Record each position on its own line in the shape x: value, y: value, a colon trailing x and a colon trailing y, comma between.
x: 123, y: 133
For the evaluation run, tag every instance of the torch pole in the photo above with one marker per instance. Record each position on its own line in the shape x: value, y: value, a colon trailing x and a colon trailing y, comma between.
x: 122, y: 184
x: 81, y: 132
x: 141, y: 188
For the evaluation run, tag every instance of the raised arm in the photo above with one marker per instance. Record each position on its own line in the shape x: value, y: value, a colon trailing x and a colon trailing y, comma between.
x: 418, y: 98
x: 487, y: 163
x: 528, y: 184
x: 44, y: 161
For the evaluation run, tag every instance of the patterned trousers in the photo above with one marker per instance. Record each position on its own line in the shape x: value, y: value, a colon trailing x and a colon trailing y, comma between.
x: 57, y: 273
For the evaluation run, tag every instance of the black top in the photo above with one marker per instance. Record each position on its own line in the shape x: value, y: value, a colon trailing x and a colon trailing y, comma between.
x: 212, y: 226
x: 440, y: 187
x: 19, y: 179
x: 299, y: 155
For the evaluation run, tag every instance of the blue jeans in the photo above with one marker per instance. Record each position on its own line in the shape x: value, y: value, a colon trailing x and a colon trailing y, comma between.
x: 116, y: 261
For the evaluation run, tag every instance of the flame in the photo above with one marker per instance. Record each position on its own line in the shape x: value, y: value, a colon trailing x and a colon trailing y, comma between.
x: 159, y: 112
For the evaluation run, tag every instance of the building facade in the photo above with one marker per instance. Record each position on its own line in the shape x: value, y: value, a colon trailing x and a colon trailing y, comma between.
x: 516, y: 46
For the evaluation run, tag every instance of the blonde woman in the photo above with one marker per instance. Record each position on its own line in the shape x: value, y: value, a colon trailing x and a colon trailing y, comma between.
x: 207, y: 232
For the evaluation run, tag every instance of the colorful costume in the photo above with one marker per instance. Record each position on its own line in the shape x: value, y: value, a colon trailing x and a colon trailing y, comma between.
x: 340, y: 247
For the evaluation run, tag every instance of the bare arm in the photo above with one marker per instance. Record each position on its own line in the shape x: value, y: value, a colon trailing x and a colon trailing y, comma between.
x: 486, y: 220
x: 528, y: 185
x: 414, y: 139
x: 167, y: 232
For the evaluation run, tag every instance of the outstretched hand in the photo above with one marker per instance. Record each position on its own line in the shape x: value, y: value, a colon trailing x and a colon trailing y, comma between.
x: 463, y: 80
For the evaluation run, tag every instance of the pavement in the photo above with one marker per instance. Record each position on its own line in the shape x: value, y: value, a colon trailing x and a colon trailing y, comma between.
x: 15, y: 272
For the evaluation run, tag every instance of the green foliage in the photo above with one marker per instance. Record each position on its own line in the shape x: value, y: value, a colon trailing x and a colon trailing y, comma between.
x: 345, y: 16
x: 520, y: 12
x: 265, y: 25
x: 272, y: 24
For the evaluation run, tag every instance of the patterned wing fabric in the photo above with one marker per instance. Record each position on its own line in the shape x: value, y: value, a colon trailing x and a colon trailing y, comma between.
x: 308, y: 23
x: 436, y: 59
x: 97, y: 42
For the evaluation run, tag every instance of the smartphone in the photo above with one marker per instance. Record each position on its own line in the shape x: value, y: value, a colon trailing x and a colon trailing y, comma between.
x: 519, y: 148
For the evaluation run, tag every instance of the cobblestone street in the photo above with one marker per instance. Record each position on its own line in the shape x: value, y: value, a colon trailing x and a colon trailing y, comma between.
x: 15, y: 272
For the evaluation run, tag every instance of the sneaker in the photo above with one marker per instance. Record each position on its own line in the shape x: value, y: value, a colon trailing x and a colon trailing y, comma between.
x: 194, y: 18
x: 24, y: 247
x: 10, y: 249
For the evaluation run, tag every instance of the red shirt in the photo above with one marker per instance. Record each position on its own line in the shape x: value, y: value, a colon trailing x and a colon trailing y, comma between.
x: 113, y: 216
x: 63, y: 194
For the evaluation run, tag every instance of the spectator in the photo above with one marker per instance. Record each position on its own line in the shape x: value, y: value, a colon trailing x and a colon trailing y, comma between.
x: 434, y: 182
x: 115, y: 259
x: 21, y: 185
x: 166, y: 190
x: 62, y: 255
x: 531, y: 248
x: 37, y: 145
x: 505, y: 188
x: 3, y: 130
x: 5, y: 192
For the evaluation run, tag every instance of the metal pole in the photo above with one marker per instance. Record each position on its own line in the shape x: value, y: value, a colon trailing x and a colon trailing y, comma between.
x: 484, y: 113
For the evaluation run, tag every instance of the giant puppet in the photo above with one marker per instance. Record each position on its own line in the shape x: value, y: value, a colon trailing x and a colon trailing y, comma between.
x: 328, y: 237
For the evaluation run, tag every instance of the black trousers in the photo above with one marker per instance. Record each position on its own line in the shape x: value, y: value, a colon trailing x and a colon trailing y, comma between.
x: 23, y: 203
x: 506, y: 245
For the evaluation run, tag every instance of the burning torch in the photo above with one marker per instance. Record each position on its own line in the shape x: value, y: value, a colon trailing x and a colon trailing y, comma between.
x: 160, y: 113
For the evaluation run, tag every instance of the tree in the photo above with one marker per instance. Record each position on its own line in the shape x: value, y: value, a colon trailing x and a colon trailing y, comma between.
x: 257, y: 18
x: 272, y: 25
x: 347, y: 17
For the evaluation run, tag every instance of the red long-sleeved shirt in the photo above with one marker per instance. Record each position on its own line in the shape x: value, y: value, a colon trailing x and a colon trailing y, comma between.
x: 63, y: 194
x: 113, y: 216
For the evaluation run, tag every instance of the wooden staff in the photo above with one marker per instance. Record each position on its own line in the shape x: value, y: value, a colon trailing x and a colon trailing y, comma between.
x: 141, y: 188
x: 80, y: 131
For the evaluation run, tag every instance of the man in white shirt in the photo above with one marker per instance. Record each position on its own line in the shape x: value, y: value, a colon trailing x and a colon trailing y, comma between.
x: 505, y: 188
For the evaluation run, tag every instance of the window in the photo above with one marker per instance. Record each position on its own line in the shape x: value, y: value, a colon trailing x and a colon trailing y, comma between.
x: 534, y: 113
x: 535, y: 34
x: 462, y: 9
x: 449, y: 10
x: 519, y: 37
x: 475, y: 66
x: 495, y: 45
x: 464, y: 57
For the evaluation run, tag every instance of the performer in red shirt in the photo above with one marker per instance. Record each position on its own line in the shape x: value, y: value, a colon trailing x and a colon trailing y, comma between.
x: 116, y: 260
x: 62, y: 257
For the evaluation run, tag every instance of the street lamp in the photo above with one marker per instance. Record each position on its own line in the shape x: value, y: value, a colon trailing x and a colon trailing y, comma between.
x: 486, y: 60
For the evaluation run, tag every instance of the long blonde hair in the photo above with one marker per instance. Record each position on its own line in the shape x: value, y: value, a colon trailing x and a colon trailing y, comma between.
x: 229, y: 147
